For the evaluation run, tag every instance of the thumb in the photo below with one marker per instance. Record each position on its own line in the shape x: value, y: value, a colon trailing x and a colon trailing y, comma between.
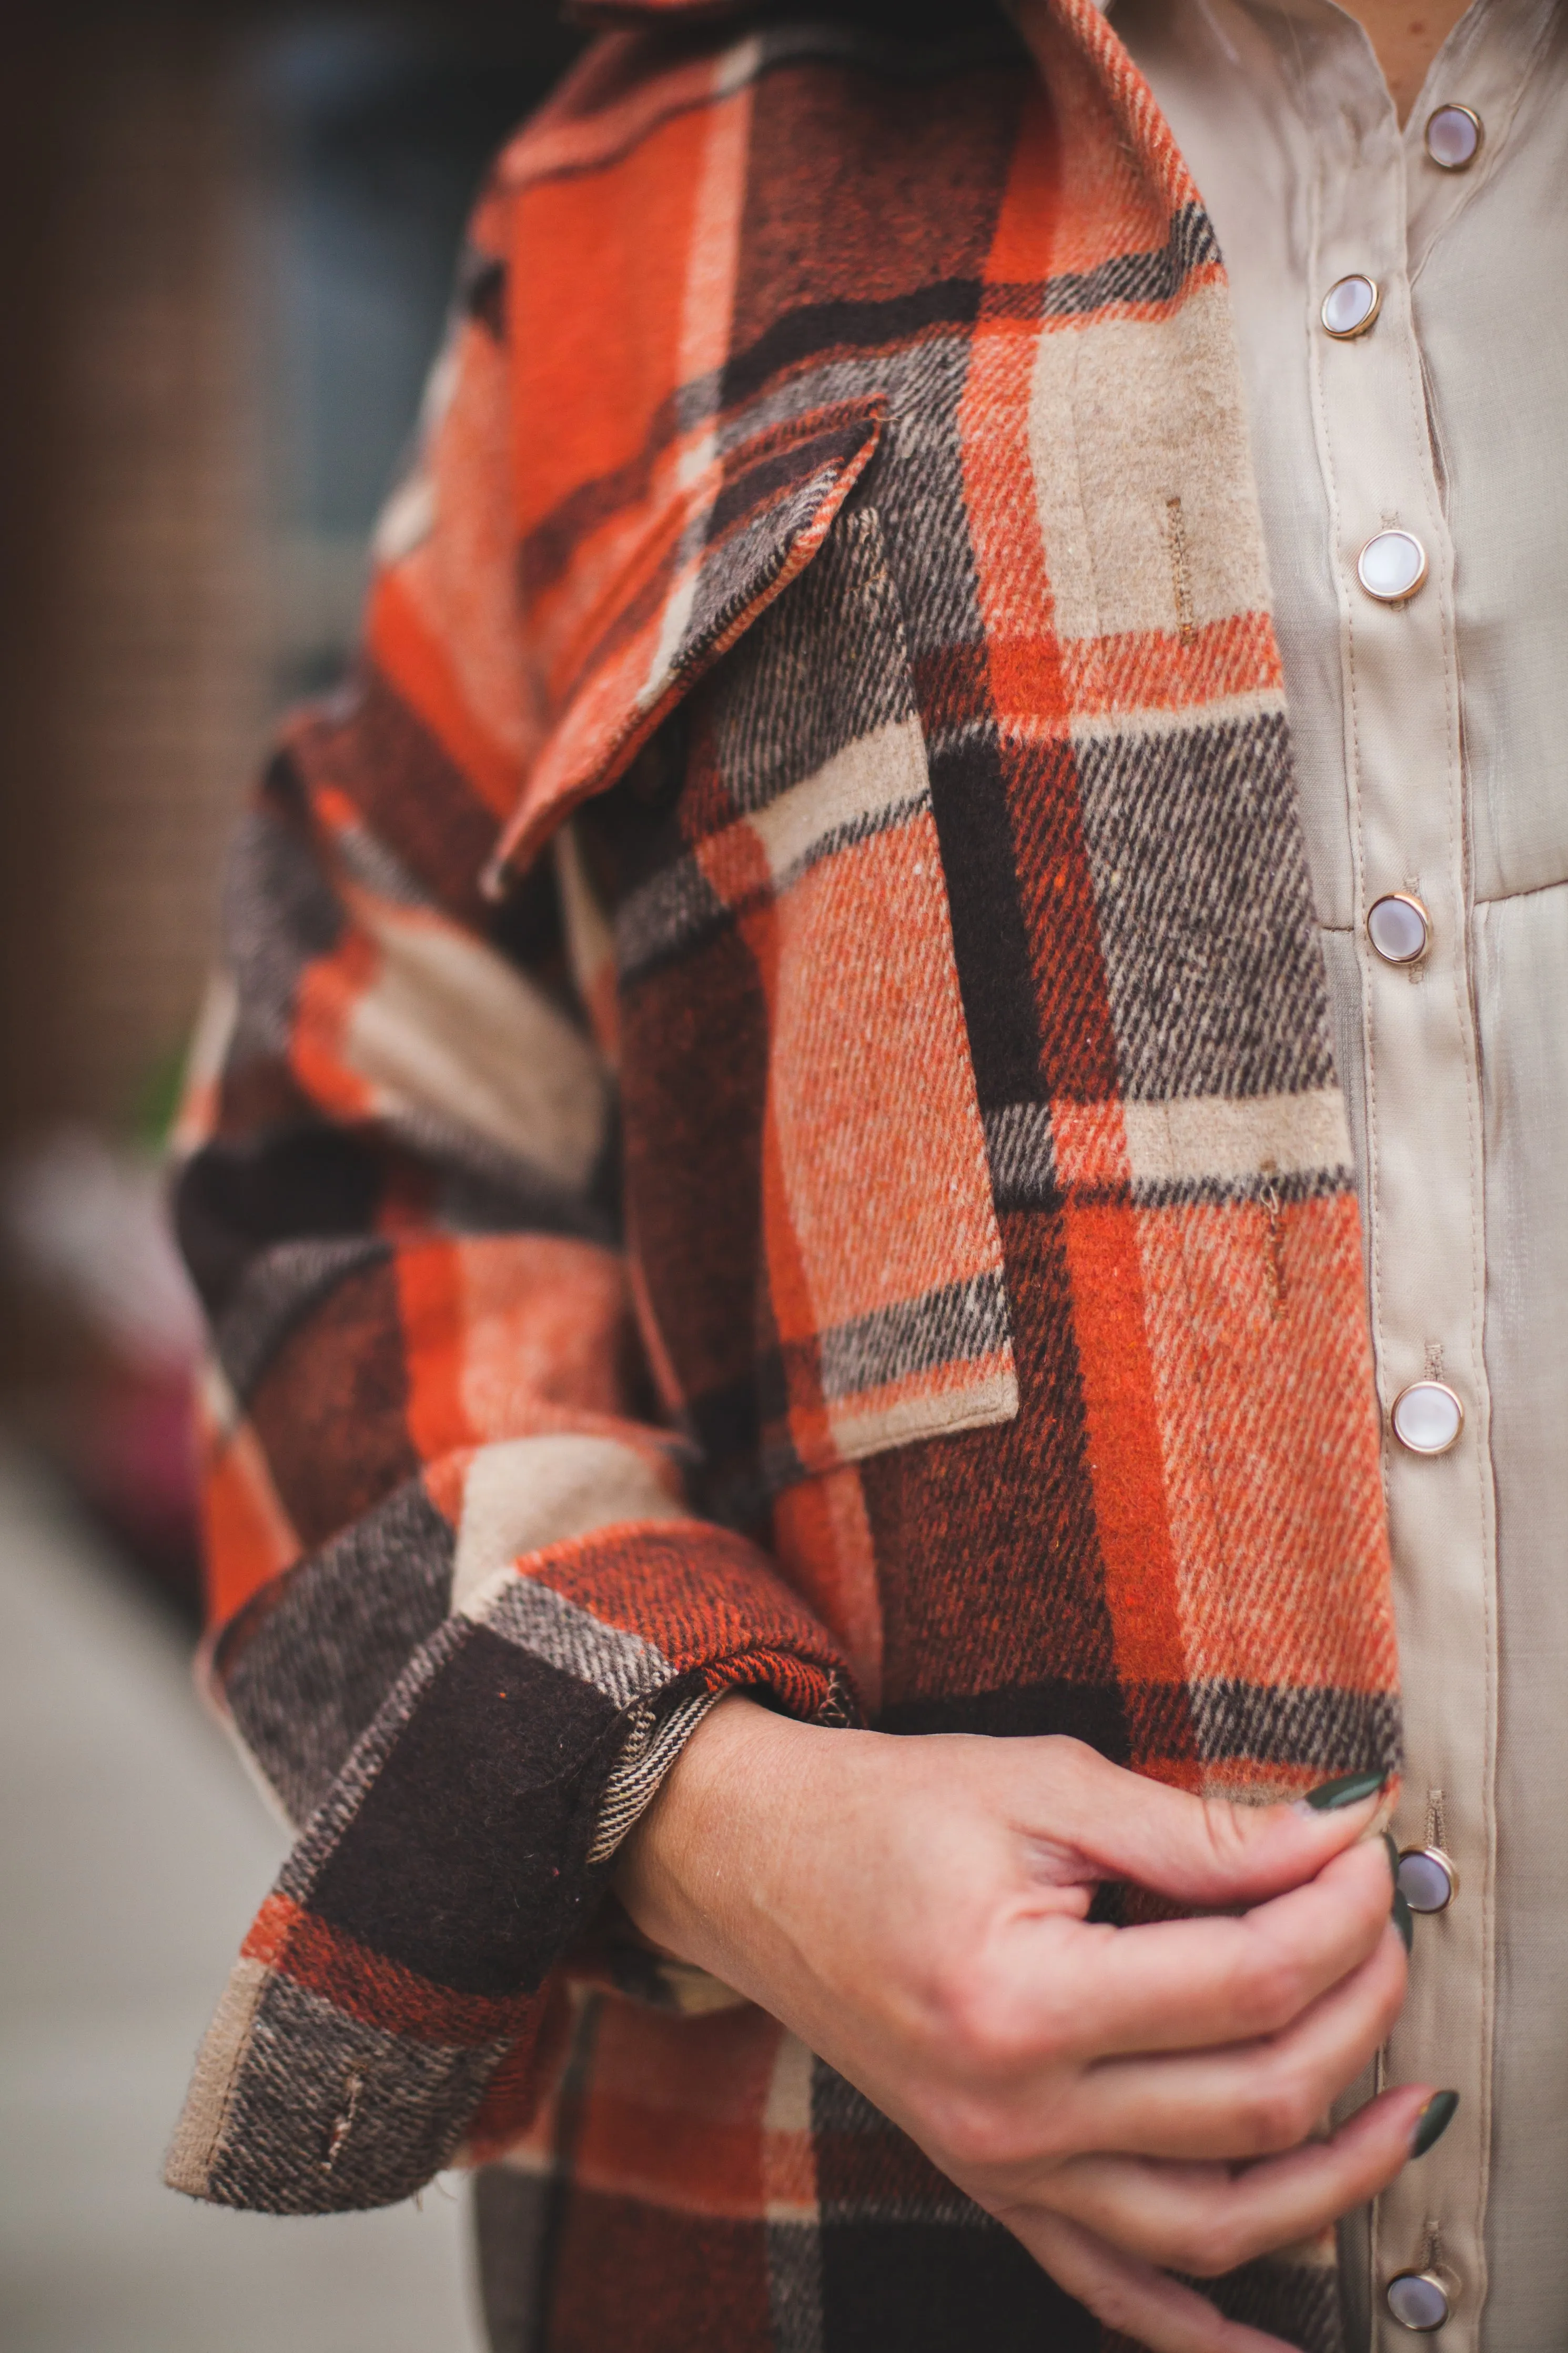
x: 1214, y: 1851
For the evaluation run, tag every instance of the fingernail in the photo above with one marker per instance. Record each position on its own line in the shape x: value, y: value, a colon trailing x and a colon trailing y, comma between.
x: 1391, y: 1848
x: 1404, y: 1920
x: 1432, y: 2122
x: 1348, y: 1790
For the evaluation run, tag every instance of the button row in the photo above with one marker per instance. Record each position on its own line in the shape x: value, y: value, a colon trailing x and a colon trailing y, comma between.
x: 1423, y: 2301
x: 1427, y: 1417
x: 1454, y: 135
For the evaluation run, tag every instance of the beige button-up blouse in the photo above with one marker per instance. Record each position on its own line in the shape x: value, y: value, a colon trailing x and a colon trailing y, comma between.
x: 1432, y: 738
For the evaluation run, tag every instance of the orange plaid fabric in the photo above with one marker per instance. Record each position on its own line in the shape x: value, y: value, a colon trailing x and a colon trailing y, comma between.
x: 771, y: 1124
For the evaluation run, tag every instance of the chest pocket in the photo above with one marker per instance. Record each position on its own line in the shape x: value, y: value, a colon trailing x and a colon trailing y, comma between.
x: 811, y: 1208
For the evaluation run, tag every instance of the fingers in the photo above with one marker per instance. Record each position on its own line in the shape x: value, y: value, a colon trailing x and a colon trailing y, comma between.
x: 1197, y: 1851
x: 1129, y: 2296
x: 1192, y: 1984
x: 1250, y: 2099
x: 1208, y: 2218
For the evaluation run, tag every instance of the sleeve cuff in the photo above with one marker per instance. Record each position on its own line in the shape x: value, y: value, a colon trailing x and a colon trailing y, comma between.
x: 651, y: 1746
x: 396, y: 1967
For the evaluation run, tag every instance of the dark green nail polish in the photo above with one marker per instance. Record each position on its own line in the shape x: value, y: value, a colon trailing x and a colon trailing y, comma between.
x: 1404, y: 1920
x: 1391, y: 1848
x: 1348, y: 1790
x: 1432, y: 2122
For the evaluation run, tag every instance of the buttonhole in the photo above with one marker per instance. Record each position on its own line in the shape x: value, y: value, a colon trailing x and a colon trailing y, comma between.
x: 1180, y: 573
x: 1274, y: 1243
x: 354, y: 2089
x: 1436, y: 1820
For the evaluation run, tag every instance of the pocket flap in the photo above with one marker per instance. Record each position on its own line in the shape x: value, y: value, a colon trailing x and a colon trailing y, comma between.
x: 714, y: 551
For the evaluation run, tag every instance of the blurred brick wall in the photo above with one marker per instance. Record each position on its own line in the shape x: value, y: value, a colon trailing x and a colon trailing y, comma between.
x: 136, y: 647
x: 158, y: 654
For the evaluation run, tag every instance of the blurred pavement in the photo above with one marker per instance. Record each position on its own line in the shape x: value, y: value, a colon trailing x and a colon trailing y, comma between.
x: 132, y: 1853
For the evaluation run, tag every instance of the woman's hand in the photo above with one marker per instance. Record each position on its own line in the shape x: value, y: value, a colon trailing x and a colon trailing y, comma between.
x: 1124, y: 2100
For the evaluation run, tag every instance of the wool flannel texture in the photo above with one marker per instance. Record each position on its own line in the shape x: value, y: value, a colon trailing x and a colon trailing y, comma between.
x: 770, y: 1124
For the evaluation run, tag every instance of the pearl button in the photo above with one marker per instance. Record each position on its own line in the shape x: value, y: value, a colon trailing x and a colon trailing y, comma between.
x: 1427, y: 1417
x: 1349, y: 306
x: 1417, y: 2300
x: 1427, y: 1879
x: 1399, y: 928
x: 1391, y: 566
x: 1453, y: 137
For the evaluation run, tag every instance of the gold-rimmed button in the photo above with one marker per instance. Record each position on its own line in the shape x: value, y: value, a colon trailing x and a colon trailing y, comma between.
x: 1428, y: 1879
x: 1391, y: 566
x: 1418, y: 2300
x: 1428, y: 1418
x: 1399, y: 927
x: 1349, y: 306
x: 1454, y: 135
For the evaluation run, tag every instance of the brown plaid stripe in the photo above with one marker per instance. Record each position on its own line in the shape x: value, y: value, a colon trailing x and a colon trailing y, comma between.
x: 774, y: 1124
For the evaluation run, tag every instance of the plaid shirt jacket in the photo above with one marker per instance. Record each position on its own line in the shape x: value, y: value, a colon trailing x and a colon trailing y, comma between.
x: 772, y: 1123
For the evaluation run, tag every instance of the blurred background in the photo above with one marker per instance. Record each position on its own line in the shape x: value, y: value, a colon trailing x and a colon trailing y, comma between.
x: 226, y: 236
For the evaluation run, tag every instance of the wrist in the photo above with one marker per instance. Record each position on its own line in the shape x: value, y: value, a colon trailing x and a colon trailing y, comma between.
x: 696, y: 1870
